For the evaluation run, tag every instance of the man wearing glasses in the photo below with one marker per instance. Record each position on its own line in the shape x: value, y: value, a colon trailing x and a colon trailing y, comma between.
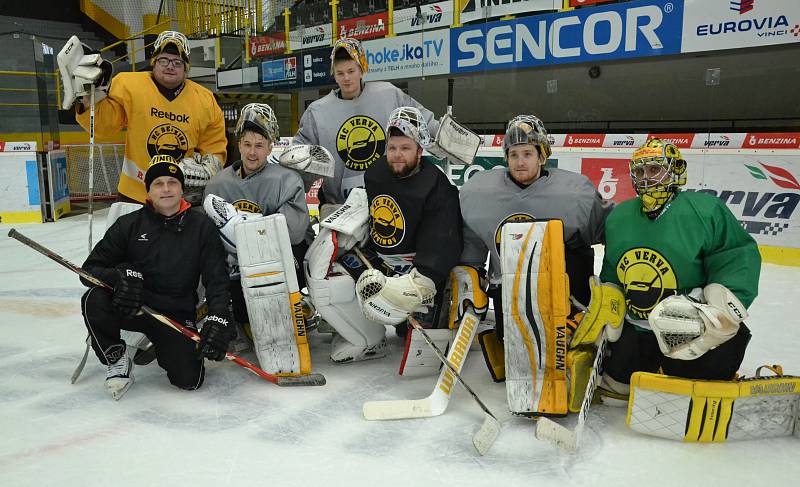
x: 165, y: 114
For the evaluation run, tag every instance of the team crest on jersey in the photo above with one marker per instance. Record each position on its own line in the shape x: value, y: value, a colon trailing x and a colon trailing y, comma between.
x: 360, y: 141
x: 248, y: 206
x: 513, y: 218
x: 387, y: 225
x: 647, y: 278
x: 169, y: 140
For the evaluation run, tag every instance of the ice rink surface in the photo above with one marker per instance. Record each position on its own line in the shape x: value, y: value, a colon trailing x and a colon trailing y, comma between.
x: 239, y: 430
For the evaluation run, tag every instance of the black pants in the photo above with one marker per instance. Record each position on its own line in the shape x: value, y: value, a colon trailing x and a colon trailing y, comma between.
x: 637, y: 350
x: 174, y: 352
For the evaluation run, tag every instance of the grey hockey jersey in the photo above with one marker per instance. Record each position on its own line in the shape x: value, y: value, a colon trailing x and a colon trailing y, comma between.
x: 273, y: 189
x: 490, y: 199
x: 354, y: 132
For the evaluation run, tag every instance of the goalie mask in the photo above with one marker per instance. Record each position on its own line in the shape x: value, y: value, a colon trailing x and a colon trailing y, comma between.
x: 171, y: 37
x: 657, y: 170
x: 260, y: 118
x: 409, y: 121
x: 354, y: 49
x: 526, y: 129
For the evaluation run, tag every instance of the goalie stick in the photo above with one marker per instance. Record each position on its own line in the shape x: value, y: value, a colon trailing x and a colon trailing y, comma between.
x: 490, y: 429
x: 303, y: 380
x: 435, y: 403
x: 561, y: 436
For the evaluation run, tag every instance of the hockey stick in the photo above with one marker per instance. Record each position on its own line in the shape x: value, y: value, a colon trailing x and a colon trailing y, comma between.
x: 561, y: 436
x: 490, y: 429
x: 312, y: 159
x: 91, y: 163
x: 303, y: 380
x: 436, y: 403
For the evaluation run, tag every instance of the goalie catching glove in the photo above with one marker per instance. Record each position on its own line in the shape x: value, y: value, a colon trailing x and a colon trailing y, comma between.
x: 199, y: 169
x: 389, y: 300
x: 81, y: 68
x: 687, y: 328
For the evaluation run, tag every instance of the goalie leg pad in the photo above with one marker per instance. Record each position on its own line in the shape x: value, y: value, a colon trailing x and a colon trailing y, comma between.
x: 535, y: 309
x: 579, y: 363
x: 335, y: 300
x: 704, y: 411
x: 270, y: 288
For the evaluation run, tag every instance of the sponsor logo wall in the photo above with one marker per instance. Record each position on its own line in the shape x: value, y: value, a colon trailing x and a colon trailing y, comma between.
x: 709, y: 25
x: 408, y: 56
x: 627, y: 30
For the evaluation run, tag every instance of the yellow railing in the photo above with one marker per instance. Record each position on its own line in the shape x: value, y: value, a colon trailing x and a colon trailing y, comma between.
x: 217, y: 17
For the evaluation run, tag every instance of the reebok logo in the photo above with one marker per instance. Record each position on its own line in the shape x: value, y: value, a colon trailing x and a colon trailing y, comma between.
x: 218, y: 319
x: 132, y: 273
x: 172, y: 117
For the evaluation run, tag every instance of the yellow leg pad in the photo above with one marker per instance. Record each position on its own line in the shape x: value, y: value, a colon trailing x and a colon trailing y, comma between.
x: 579, y: 363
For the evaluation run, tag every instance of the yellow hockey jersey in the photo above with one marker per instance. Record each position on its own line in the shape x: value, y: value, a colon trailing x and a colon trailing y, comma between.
x: 190, y: 123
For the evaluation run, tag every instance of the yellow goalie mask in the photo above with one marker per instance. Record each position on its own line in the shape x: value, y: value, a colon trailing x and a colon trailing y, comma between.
x: 657, y: 170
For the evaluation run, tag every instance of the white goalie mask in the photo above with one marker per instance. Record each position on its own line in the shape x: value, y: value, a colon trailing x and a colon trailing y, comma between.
x: 409, y: 121
x: 172, y: 37
x: 527, y: 129
x: 260, y: 117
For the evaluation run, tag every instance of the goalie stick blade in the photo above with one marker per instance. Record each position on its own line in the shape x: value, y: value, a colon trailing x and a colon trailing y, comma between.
x: 302, y: 380
x: 385, y: 410
x: 486, y: 435
x: 560, y: 436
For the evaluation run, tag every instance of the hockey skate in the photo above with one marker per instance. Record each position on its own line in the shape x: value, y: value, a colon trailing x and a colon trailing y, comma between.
x: 119, y: 376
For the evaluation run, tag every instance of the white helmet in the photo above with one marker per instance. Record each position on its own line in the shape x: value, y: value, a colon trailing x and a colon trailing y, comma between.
x: 410, y: 122
x: 171, y: 37
x: 526, y: 129
x: 258, y: 116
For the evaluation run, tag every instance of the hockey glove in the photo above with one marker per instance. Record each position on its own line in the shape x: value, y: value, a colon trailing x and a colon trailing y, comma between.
x: 216, y: 335
x: 199, y: 169
x: 127, y: 297
x: 80, y: 67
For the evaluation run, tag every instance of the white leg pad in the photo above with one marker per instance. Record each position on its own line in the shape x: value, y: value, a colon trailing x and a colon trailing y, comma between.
x: 336, y: 302
x: 272, y: 295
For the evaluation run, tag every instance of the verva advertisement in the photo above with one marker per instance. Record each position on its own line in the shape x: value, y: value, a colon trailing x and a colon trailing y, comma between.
x: 425, y: 17
x: 710, y: 25
x: 309, y: 37
x: 368, y: 27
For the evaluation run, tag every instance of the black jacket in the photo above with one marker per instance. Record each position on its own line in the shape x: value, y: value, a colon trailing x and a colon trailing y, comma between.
x: 171, y: 253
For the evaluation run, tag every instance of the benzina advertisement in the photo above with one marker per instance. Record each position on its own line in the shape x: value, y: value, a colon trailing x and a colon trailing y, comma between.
x: 368, y: 27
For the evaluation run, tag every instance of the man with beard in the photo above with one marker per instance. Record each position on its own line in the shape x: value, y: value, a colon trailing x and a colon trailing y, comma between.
x: 411, y: 223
